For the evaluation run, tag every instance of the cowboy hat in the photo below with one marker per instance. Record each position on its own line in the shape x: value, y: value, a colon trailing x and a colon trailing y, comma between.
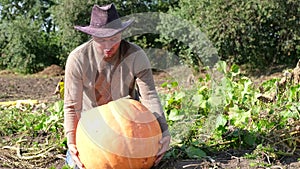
x: 105, y: 22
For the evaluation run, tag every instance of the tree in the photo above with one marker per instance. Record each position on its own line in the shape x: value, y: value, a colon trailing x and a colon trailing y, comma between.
x: 26, y: 35
x: 259, y: 32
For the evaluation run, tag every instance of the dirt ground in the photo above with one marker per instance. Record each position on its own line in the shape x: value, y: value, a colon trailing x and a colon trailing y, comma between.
x: 41, y: 87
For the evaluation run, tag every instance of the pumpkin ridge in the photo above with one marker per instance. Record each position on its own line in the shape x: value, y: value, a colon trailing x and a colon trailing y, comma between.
x: 142, y: 113
x: 123, y: 112
x: 118, y: 117
x: 124, y: 133
x: 136, y: 124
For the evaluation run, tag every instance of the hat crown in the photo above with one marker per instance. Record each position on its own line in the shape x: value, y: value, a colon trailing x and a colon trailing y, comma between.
x: 105, y: 16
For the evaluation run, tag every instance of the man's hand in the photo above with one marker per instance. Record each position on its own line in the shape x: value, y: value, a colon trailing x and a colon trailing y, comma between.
x: 165, y: 142
x: 74, y: 154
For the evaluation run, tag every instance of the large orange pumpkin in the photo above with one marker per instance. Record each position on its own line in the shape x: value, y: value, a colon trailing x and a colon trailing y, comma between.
x: 122, y: 134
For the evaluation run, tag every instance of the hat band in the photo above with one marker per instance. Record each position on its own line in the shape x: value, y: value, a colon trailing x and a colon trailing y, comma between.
x: 116, y: 24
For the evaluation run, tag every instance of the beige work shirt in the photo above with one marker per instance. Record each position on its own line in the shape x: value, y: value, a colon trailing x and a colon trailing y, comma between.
x: 91, y: 81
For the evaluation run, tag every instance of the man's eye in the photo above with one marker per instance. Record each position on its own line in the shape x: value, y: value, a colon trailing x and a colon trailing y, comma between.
x: 98, y: 40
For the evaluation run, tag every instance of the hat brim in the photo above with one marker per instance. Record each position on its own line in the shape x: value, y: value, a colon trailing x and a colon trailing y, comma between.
x: 103, y: 32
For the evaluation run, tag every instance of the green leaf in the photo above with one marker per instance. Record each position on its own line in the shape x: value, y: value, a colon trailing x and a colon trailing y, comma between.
x: 204, y: 104
x: 197, y: 100
x: 38, y: 127
x: 165, y: 84
x: 58, y: 106
x: 249, y: 139
x: 194, y: 152
x: 179, y: 95
x: 221, y: 120
x: 238, y: 116
x: 235, y: 70
x: 290, y: 114
x: 174, y: 84
x: 174, y: 115
x: 222, y: 67
x: 202, y: 89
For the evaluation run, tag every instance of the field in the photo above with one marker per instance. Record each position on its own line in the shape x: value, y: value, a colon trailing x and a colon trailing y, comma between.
x: 39, y: 143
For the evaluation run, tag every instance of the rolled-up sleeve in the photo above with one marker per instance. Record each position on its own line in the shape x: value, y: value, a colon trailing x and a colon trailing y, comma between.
x: 72, y: 98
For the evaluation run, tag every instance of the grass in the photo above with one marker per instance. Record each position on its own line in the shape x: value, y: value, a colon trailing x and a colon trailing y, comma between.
x: 215, y: 115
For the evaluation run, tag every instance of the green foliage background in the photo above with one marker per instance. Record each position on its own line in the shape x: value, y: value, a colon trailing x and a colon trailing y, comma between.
x: 255, y: 31
x: 37, y: 33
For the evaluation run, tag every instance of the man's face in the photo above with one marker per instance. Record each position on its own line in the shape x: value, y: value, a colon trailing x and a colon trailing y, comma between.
x: 109, y: 46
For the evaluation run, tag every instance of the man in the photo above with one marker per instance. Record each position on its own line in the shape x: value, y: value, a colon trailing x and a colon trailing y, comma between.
x: 107, y: 68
